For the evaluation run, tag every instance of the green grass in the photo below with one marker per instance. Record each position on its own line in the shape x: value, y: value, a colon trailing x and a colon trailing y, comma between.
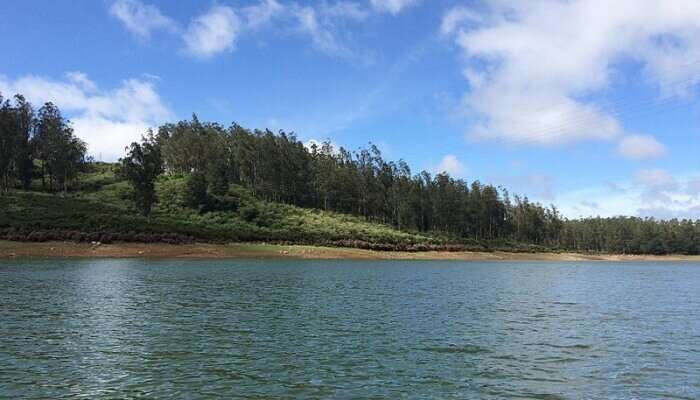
x: 102, y: 205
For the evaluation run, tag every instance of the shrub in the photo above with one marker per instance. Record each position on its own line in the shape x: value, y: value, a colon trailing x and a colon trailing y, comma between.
x: 196, y: 191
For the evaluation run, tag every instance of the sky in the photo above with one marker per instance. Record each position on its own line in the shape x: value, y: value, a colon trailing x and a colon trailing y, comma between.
x: 590, y: 105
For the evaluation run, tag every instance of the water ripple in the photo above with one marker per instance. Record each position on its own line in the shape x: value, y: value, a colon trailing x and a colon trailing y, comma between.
x: 347, y: 329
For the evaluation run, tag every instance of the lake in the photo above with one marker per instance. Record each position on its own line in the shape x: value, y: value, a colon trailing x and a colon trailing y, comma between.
x: 264, y: 329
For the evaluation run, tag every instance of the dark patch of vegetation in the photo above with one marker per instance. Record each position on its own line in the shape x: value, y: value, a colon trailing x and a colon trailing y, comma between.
x: 141, y: 168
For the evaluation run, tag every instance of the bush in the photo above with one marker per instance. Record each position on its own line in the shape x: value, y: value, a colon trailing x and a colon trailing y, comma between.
x: 196, y: 191
x: 249, y: 212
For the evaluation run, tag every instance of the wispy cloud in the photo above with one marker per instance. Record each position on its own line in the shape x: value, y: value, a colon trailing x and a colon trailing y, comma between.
x: 81, y: 80
x: 217, y: 30
x: 326, y: 25
x: 455, y: 17
x: 258, y: 15
x: 392, y: 6
x: 321, y: 31
x: 141, y: 19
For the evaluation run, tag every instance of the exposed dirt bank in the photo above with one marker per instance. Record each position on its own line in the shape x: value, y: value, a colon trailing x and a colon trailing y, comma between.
x: 246, y: 250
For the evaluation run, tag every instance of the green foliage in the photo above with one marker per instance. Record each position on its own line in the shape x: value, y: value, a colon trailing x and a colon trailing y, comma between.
x: 196, y: 191
x: 141, y: 167
x: 96, y: 176
x: 218, y: 179
x: 7, y: 143
x: 249, y: 212
x: 61, y: 153
x: 17, y: 123
x: 109, y: 210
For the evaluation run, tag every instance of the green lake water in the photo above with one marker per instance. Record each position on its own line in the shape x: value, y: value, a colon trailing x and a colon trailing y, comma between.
x: 348, y: 330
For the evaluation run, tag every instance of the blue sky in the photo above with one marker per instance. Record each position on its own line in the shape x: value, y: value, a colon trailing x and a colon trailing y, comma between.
x: 582, y: 103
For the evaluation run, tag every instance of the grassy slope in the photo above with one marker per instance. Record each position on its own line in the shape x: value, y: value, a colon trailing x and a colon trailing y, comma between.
x: 103, y: 206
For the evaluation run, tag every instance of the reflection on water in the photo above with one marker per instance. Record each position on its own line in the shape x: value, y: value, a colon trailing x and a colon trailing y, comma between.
x: 348, y: 329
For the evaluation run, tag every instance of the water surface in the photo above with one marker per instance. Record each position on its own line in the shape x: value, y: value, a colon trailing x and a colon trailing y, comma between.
x: 348, y: 329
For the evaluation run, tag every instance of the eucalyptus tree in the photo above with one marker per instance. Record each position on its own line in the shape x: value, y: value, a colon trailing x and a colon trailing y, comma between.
x: 7, y: 142
x: 50, y: 123
x: 23, y: 159
x: 141, y: 167
x: 55, y: 145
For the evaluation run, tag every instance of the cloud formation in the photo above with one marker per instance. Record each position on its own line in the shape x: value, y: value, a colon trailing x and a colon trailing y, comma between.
x: 640, y: 147
x: 534, y: 67
x: 392, y: 6
x: 216, y: 31
x: 259, y: 14
x: 450, y: 164
x: 455, y: 17
x: 648, y: 193
x: 139, y: 18
x: 212, y: 33
x: 108, y: 120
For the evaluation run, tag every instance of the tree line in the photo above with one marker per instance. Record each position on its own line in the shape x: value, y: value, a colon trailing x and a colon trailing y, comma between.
x: 278, y: 167
x: 37, y: 145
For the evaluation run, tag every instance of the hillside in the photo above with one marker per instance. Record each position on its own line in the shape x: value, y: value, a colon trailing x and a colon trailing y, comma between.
x: 200, y: 181
x: 101, y: 210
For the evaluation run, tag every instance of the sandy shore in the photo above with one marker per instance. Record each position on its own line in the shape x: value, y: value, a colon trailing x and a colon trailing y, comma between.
x: 246, y: 250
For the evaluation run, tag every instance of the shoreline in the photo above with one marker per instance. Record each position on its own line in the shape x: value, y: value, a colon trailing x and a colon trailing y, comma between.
x: 10, y: 250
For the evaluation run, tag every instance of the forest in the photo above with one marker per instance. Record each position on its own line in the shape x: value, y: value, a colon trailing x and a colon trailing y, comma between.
x: 39, y: 153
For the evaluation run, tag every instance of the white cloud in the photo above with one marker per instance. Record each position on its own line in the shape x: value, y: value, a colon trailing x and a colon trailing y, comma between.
x: 107, y: 120
x: 638, y: 147
x: 649, y: 193
x: 139, y: 18
x: 655, y: 179
x: 392, y: 6
x: 212, y: 33
x: 450, y: 164
x: 81, y: 79
x: 218, y: 30
x: 261, y: 13
x: 319, y: 144
x: 535, y: 66
x: 455, y: 17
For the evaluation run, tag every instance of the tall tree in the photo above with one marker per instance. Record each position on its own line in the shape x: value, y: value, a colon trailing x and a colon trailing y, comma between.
x: 50, y: 124
x: 24, y: 162
x: 141, y: 166
x: 8, y: 142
